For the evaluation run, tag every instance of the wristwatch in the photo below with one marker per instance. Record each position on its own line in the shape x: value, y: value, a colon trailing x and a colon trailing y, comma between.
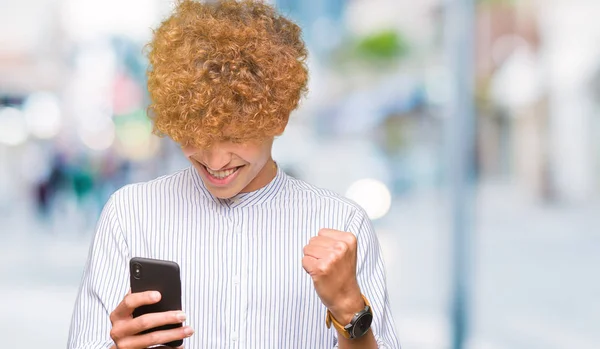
x: 358, y: 326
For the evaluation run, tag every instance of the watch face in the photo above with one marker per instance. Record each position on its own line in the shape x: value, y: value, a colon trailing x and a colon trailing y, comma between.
x: 362, y: 325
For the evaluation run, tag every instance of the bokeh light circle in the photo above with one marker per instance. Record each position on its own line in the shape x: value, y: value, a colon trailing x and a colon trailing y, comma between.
x: 372, y: 195
x: 13, y: 129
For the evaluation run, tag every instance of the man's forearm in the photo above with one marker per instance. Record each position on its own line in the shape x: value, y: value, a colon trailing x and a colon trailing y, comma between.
x: 344, y: 314
x: 365, y: 342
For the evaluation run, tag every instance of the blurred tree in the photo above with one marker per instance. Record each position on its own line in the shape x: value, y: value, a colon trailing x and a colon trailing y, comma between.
x: 384, y: 45
x: 382, y: 49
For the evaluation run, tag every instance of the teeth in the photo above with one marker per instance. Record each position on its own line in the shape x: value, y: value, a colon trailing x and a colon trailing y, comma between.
x: 221, y: 174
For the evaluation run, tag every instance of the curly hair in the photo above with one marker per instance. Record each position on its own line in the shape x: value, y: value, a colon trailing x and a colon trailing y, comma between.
x: 225, y: 70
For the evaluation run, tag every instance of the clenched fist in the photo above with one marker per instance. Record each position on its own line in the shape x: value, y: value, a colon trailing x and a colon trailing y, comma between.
x: 330, y: 259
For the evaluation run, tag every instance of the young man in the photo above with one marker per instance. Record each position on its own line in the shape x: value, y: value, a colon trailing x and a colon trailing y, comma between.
x: 265, y: 258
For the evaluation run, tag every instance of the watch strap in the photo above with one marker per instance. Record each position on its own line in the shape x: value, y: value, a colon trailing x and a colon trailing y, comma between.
x: 329, y: 320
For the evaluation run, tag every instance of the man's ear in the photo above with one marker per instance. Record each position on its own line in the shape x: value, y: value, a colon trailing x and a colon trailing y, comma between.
x: 279, y: 130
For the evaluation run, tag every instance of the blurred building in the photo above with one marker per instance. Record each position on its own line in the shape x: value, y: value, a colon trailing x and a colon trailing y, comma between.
x: 538, y: 123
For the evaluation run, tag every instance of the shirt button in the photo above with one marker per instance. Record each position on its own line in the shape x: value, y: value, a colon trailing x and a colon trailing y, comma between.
x: 234, y: 336
x: 236, y: 280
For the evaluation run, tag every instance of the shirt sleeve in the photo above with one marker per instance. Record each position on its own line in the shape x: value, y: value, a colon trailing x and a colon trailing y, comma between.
x: 371, y: 277
x: 105, y: 282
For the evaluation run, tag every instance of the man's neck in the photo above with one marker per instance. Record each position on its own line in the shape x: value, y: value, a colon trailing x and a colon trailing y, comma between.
x: 264, y: 177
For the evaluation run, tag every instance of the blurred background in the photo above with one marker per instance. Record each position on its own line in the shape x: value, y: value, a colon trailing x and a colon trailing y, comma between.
x: 375, y: 127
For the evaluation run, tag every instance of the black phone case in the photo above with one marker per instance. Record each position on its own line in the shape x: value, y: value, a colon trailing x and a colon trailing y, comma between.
x: 164, y: 277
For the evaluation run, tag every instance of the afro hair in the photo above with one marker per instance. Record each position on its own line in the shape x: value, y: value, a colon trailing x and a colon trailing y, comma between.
x: 225, y: 71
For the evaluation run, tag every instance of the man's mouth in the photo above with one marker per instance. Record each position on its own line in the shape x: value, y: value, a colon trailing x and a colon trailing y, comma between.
x: 222, y: 174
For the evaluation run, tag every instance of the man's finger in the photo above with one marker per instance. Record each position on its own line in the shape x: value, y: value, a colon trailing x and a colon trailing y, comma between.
x: 310, y: 264
x: 346, y: 237
x: 331, y: 233
x: 322, y: 241
x: 148, y: 321
x: 132, y: 301
x: 156, y: 338
x: 317, y: 251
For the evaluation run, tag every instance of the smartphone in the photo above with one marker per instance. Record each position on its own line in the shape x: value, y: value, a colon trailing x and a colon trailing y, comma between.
x: 147, y: 274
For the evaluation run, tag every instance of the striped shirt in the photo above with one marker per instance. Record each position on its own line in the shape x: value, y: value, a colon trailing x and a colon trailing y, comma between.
x: 243, y: 285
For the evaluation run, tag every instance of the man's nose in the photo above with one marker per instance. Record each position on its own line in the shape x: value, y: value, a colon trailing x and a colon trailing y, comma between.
x: 216, y: 158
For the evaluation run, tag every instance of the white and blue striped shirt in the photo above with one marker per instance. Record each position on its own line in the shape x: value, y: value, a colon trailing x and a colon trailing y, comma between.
x: 243, y: 285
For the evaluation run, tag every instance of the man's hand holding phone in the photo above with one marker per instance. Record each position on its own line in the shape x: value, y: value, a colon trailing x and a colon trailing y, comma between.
x: 126, y: 329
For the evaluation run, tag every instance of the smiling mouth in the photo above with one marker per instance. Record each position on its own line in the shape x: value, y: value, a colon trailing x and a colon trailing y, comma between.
x: 223, y: 174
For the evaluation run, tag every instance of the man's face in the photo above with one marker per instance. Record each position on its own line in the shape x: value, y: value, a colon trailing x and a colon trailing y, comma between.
x: 228, y: 169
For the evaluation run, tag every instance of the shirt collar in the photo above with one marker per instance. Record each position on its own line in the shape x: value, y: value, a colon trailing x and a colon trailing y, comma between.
x: 253, y: 198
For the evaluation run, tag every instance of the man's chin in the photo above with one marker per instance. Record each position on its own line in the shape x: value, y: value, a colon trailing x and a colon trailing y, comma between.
x: 223, y: 193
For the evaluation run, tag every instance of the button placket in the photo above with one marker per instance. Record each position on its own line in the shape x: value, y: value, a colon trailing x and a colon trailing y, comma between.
x: 235, y: 282
x: 242, y: 275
